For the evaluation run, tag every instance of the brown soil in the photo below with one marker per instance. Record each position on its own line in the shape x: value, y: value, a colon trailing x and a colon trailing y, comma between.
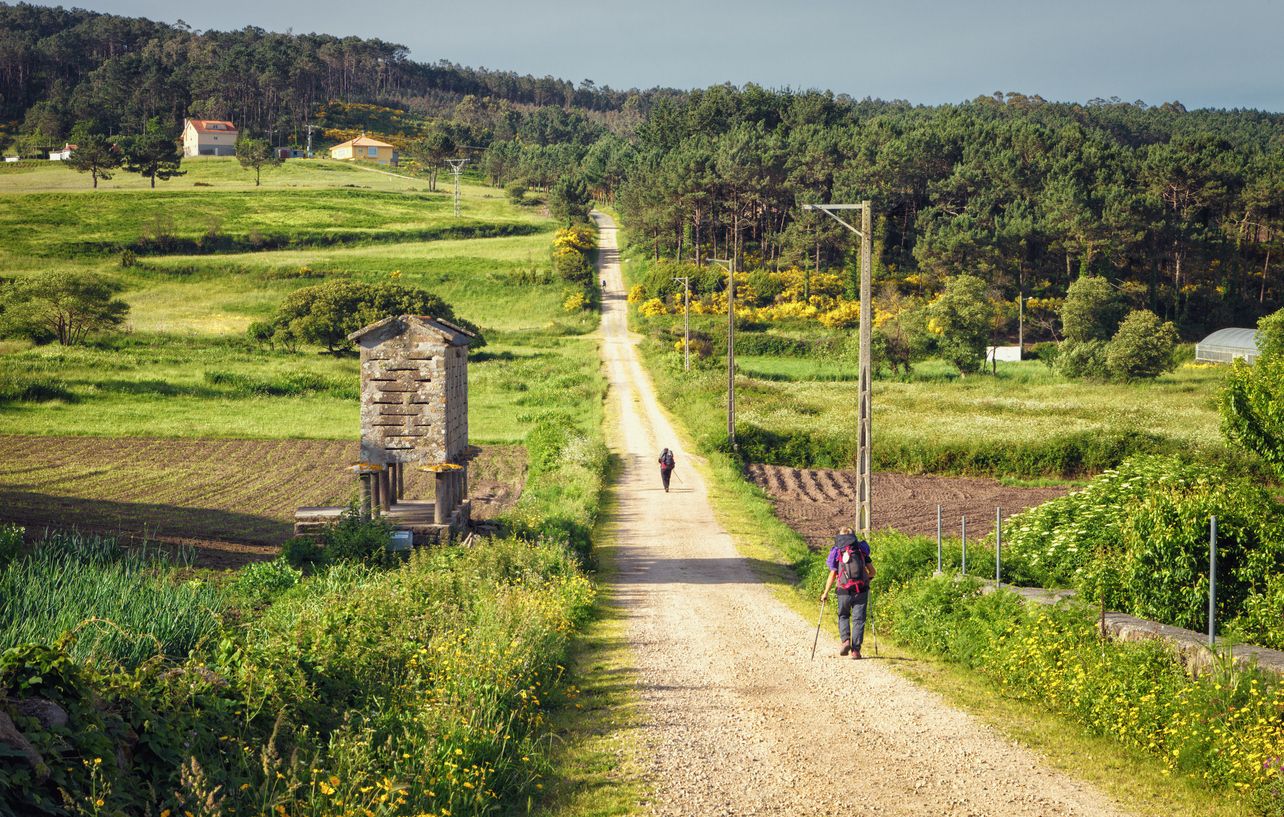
x: 816, y: 502
x: 232, y: 500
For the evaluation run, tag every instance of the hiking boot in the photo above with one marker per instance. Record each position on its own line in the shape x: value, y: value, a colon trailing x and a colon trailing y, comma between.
x: 856, y: 655
x: 847, y: 647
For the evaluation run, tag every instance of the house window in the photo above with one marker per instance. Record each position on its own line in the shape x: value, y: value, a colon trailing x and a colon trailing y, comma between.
x: 372, y: 151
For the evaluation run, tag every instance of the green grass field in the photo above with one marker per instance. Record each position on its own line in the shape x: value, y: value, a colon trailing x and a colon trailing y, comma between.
x: 797, y: 407
x: 167, y: 375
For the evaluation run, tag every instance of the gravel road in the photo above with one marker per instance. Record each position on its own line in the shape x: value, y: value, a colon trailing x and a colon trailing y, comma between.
x: 737, y: 720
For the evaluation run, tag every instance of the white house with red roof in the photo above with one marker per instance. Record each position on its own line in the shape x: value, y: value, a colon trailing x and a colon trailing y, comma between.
x: 62, y: 154
x: 209, y: 137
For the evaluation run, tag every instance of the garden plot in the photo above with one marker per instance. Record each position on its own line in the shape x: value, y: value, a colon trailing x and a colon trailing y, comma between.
x: 816, y: 502
x: 233, y: 500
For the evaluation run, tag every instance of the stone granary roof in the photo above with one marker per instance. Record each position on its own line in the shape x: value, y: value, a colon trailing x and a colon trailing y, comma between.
x: 454, y: 335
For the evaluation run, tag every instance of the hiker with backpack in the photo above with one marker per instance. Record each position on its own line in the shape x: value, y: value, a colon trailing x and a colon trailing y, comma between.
x: 666, y: 467
x: 850, y: 569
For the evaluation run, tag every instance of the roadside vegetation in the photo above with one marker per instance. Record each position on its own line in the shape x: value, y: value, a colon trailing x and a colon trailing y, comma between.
x: 331, y: 680
x: 1139, y: 532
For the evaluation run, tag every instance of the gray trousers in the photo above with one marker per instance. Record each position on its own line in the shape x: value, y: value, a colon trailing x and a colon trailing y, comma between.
x: 851, y: 617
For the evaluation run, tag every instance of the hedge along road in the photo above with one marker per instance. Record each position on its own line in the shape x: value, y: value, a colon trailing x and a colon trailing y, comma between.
x: 736, y: 719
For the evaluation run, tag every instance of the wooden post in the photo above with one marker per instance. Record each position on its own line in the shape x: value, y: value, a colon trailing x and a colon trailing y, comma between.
x: 400, y: 476
x: 376, y: 493
x: 439, y: 498
x: 365, y: 495
x: 385, y: 489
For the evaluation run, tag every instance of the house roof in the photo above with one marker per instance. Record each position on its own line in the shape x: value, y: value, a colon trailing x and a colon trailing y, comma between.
x: 363, y: 141
x: 398, y: 324
x: 203, y: 126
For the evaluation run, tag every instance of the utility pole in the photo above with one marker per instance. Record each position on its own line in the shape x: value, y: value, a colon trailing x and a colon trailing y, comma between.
x: 729, y: 264
x: 456, y: 167
x: 864, y: 511
x: 686, y: 313
x: 1021, y: 325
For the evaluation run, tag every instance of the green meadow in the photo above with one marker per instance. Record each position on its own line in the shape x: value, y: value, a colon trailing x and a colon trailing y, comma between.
x: 215, y: 254
x: 796, y: 405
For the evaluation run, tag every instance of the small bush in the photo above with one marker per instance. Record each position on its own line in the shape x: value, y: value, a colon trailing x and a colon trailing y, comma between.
x: 516, y: 192
x: 301, y: 552
x: 1142, y: 348
x: 1091, y: 311
x: 261, y: 581
x: 128, y: 258
x: 1081, y: 359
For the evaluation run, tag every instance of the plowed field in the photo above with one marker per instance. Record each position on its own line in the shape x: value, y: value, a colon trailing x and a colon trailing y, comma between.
x: 234, y: 500
x: 816, y: 502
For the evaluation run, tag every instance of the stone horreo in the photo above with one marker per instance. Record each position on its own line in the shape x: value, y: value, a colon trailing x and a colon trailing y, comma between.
x: 414, y: 411
x: 414, y: 390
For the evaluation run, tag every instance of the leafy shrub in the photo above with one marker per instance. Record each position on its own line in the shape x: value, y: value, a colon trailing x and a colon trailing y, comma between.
x: 573, y: 254
x: 326, y: 313
x: 260, y: 581
x: 961, y: 318
x: 1252, y: 410
x: 357, y: 540
x: 1081, y: 359
x: 1091, y: 311
x: 516, y: 192
x: 1139, y: 535
x: 1270, y: 335
x: 1142, y: 348
x: 128, y: 258
x: 301, y: 551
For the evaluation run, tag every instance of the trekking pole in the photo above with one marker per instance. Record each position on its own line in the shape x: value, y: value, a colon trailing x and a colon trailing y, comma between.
x: 819, y: 619
x: 873, y: 630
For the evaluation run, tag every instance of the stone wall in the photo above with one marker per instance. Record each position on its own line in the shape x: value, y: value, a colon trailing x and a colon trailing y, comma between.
x: 414, y: 393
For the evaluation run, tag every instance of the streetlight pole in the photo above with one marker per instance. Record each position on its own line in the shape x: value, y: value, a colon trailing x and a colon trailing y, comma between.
x: 686, y: 313
x: 729, y: 264
x: 864, y: 512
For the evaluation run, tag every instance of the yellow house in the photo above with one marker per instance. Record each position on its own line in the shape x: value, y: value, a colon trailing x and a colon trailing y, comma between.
x: 365, y: 149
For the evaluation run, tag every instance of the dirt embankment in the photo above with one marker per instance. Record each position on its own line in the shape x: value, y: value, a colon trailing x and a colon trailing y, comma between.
x: 233, y: 500
x: 816, y: 502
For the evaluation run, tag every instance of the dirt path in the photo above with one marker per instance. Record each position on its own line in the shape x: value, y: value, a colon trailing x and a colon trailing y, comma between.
x: 738, y: 721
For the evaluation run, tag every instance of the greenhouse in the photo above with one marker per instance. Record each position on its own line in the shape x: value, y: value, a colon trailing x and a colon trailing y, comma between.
x: 1226, y: 345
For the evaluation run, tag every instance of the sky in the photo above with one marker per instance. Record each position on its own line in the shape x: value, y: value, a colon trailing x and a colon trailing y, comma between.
x: 1204, y: 54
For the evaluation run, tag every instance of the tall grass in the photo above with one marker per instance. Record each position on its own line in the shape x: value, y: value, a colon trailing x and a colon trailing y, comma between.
x: 117, y: 605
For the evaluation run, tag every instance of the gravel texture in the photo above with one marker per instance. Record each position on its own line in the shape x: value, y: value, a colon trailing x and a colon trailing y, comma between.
x: 738, y: 720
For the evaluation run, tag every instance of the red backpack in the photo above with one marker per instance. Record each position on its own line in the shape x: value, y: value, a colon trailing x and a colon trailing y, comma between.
x: 853, y: 574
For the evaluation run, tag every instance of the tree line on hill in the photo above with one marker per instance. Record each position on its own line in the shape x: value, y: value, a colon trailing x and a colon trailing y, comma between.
x: 1181, y: 211
x: 60, y: 66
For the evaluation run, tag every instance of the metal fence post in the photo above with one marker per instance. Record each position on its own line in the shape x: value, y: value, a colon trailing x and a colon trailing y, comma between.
x: 998, y: 547
x: 1212, y: 580
x: 963, y: 531
x: 938, y: 539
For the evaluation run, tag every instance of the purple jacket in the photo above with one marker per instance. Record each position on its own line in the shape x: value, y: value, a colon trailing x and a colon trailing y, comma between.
x: 841, y: 541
